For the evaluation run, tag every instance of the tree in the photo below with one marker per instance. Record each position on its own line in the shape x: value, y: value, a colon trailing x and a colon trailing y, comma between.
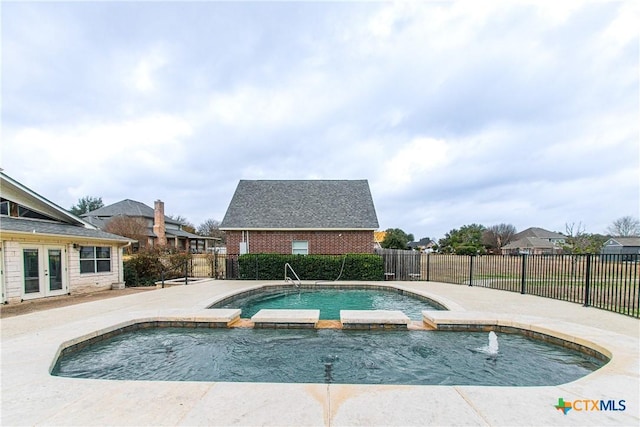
x: 211, y: 228
x: 395, y: 238
x: 132, y: 227
x: 497, y: 236
x: 86, y: 205
x: 466, y: 241
x: 594, y: 243
x: 574, y: 230
x: 581, y: 242
x: 627, y: 226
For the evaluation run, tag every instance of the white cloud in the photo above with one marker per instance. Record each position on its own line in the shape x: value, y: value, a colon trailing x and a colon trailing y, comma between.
x: 456, y: 112
x: 144, y: 78
x: 414, y: 161
x: 89, y: 158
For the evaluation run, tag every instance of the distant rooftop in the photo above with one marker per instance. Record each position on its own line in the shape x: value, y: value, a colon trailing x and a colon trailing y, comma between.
x: 539, y: 233
x: 125, y: 207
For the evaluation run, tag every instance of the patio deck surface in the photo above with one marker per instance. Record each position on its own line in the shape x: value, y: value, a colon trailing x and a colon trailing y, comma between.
x: 31, y: 396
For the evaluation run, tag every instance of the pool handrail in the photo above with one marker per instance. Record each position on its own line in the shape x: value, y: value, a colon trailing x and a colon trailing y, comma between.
x: 287, y: 278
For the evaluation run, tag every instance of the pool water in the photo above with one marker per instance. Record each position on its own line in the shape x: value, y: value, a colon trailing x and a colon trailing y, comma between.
x: 330, y: 301
x: 326, y: 356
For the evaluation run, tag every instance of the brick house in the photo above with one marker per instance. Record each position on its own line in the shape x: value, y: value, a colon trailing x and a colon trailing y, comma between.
x: 161, y: 230
x: 535, y: 241
x: 328, y: 217
x: 46, y: 251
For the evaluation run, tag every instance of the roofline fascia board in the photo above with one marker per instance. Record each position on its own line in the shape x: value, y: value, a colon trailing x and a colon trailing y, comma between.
x: 298, y: 229
x: 48, y: 202
x: 67, y: 237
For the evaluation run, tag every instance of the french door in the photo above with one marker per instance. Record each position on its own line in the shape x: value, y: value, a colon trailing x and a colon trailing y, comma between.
x: 44, y: 271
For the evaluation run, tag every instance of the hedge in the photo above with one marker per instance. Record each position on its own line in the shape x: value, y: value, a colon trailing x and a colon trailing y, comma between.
x: 311, y: 267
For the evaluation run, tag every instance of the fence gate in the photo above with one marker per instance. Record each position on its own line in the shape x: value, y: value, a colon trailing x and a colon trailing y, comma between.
x: 400, y: 264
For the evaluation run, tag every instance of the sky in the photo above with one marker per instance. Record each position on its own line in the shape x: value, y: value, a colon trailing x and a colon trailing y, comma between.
x: 456, y: 112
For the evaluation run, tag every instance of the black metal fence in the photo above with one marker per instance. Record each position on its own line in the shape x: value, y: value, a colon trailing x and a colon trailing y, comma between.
x: 609, y: 282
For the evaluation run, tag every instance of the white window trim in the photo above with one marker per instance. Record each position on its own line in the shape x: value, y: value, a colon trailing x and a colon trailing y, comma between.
x: 301, y: 249
x: 95, y: 260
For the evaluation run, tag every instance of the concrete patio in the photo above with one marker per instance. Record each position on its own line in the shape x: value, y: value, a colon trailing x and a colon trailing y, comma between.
x: 30, y: 396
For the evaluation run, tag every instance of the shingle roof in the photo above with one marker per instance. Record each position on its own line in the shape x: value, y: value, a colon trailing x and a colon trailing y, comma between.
x: 17, y: 192
x: 626, y: 241
x: 23, y: 225
x: 308, y: 204
x: 538, y: 232
x: 529, y: 242
x: 172, y: 232
x: 126, y: 207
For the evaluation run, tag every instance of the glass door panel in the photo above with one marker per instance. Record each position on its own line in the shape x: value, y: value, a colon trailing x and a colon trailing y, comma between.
x: 31, y: 259
x: 55, y: 269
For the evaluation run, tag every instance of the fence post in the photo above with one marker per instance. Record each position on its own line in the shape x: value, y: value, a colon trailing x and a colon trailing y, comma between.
x: 161, y: 276
x: 523, y: 275
x: 256, y: 266
x: 587, y: 282
x: 186, y: 272
x: 471, y: 271
x: 428, y: 267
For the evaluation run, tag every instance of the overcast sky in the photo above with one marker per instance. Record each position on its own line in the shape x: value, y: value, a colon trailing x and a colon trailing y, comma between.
x: 456, y: 112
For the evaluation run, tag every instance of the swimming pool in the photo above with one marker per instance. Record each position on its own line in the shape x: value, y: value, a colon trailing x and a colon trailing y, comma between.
x: 330, y: 300
x: 326, y: 356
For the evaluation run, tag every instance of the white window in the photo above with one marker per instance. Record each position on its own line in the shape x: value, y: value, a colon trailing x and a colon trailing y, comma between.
x: 95, y: 259
x: 300, y: 247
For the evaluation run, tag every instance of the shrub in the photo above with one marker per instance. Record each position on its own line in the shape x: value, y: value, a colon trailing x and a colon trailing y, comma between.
x: 311, y: 267
x: 143, y: 268
x: 175, y: 262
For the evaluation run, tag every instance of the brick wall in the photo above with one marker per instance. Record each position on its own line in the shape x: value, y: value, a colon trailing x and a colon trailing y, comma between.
x: 320, y: 242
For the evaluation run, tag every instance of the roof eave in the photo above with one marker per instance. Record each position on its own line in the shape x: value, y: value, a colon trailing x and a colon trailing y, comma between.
x: 122, y: 242
x: 42, y: 199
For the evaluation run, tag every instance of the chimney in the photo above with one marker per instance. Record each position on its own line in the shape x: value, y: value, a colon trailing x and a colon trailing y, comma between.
x: 158, y: 223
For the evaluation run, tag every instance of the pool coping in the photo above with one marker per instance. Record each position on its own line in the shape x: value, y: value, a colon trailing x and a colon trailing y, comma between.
x: 34, y: 342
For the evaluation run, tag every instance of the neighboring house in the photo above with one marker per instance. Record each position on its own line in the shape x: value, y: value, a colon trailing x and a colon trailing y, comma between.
x: 628, y: 247
x: 300, y: 217
x: 540, y: 233
x: 530, y: 246
x: 160, y: 229
x: 535, y: 241
x: 47, y: 251
x: 424, y: 245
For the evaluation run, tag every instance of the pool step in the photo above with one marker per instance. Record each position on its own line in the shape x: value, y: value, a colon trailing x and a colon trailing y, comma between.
x: 289, y: 319
x: 310, y: 319
x: 374, y: 319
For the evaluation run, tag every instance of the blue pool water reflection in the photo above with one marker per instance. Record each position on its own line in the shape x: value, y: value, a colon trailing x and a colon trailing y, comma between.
x: 330, y: 301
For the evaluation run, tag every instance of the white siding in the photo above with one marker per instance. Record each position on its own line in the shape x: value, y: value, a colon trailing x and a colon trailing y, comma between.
x: 77, y: 283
